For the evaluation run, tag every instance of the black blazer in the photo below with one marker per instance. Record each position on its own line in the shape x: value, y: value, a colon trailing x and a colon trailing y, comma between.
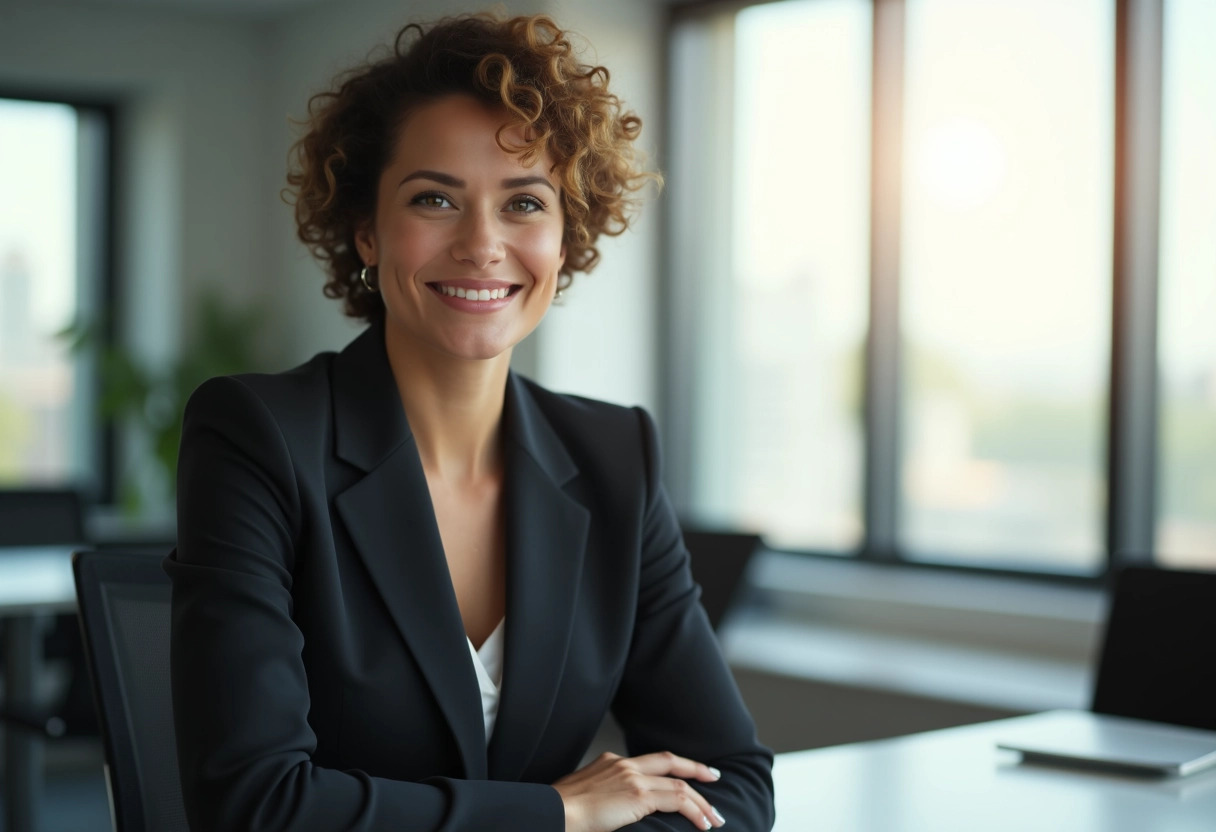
x: 321, y: 677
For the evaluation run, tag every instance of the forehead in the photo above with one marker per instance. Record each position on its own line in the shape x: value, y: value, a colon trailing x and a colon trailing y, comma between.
x: 457, y: 133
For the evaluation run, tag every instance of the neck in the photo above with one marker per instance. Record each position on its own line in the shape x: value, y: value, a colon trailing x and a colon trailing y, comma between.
x: 454, y: 408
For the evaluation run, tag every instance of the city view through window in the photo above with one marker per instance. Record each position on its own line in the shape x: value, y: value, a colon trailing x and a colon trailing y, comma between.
x: 39, y: 442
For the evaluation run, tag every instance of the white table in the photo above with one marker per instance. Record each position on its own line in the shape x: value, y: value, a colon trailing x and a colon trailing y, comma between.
x: 955, y: 780
x: 35, y: 583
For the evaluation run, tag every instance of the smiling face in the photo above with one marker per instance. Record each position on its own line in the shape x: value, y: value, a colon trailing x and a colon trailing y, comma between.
x: 467, y: 241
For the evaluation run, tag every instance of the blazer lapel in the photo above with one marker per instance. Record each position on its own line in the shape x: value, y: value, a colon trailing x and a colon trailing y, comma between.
x: 390, y: 519
x: 546, y: 536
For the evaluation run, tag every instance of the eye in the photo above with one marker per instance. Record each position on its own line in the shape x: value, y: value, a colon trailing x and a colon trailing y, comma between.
x: 431, y: 199
x: 525, y: 204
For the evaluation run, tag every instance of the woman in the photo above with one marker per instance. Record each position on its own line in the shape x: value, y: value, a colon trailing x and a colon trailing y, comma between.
x: 409, y: 585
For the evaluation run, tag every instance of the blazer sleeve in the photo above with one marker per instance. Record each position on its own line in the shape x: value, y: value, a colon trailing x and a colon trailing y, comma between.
x: 677, y: 692
x: 240, y: 694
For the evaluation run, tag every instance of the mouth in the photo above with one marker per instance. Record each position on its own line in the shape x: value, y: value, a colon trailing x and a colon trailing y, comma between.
x: 475, y: 294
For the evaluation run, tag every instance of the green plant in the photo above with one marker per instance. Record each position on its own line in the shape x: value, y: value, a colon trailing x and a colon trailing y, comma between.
x: 151, y: 397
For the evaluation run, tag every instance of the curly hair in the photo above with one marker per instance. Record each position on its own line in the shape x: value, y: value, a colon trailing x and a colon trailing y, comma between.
x: 527, y: 66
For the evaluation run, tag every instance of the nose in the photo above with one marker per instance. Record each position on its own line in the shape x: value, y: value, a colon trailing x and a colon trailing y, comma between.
x: 478, y: 241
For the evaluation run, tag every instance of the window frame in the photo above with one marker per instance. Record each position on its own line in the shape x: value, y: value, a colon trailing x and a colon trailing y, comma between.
x: 1131, y: 458
x: 104, y: 300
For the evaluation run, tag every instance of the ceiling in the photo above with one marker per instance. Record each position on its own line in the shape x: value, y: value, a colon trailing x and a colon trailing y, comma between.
x: 250, y: 9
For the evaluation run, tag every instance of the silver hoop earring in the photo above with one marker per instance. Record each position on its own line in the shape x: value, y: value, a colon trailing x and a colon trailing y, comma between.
x: 363, y: 277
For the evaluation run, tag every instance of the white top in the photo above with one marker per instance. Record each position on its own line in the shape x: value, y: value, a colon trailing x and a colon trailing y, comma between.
x: 487, y: 664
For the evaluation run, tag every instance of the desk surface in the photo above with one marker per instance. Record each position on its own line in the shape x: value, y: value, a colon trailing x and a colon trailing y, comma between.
x: 956, y: 780
x: 36, y: 579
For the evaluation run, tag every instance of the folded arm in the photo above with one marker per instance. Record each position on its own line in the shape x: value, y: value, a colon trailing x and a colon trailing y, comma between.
x: 677, y: 693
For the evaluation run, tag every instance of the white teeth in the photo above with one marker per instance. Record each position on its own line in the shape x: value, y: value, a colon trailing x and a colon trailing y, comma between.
x: 474, y: 294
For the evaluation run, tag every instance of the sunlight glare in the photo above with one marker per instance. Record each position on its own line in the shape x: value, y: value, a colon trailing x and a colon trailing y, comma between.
x: 961, y: 163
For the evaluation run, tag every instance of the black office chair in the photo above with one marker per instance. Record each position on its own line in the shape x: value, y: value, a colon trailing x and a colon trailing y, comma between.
x: 124, y: 615
x: 1158, y: 657
x: 50, y: 517
x: 719, y: 561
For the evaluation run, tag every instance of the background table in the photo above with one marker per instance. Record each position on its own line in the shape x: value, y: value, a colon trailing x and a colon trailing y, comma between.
x: 35, y: 583
x: 956, y: 780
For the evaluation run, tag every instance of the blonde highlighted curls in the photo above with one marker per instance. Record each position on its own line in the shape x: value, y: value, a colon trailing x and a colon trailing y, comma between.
x: 527, y: 66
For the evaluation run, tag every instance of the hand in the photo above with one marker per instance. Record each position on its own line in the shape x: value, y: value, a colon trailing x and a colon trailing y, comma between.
x: 614, y: 791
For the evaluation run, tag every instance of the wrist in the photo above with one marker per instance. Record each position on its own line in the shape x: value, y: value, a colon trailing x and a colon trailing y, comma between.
x: 570, y: 813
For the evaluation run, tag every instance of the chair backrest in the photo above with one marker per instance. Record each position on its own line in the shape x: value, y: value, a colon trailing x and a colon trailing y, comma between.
x: 1159, y: 653
x: 40, y: 517
x: 719, y: 560
x: 124, y: 613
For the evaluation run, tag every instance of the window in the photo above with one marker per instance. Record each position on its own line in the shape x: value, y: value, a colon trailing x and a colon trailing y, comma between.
x: 1186, y: 529
x: 53, y: 265
x: 893, y: 320
x: 788, y: 317
x: 1005, y: 277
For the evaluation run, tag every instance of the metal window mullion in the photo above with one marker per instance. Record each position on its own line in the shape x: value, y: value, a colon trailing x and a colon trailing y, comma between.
x: 94, y: 277
x: 1132, y: 448
x: 696, y: 285
x: 882, y: 362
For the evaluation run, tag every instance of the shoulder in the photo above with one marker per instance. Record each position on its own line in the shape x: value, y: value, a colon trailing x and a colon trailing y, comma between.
x: 569, y: 409
x: 576, y: 416
x: 599, y: 435
x: 269, y: 416
x: 301, y: 390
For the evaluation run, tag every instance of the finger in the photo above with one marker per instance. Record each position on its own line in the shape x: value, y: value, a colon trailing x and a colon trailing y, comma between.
x: 681, y: 787
x: 669, y: 764
x: 682, y: 803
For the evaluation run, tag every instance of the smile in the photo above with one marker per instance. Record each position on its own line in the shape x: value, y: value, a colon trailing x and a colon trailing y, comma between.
x: 475, y: 294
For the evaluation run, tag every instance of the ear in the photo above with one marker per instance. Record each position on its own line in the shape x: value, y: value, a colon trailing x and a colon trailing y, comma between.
x: 365, y: 242
x: 561, y: 258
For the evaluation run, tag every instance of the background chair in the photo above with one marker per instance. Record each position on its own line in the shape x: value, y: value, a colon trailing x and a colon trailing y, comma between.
x: 124, y: 615
x: 1158, y: 658
x: 719, y: 561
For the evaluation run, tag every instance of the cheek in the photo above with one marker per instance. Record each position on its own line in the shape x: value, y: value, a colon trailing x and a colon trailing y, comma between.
x: 544, y: 252
x: 408, y: 243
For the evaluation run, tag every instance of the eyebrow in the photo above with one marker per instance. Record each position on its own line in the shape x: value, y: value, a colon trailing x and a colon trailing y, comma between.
x: 434, y: 176
x: 524, y: 181
x: 454, y: 182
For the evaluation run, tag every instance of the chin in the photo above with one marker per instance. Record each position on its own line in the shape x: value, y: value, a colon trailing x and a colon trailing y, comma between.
x: 479, y: 350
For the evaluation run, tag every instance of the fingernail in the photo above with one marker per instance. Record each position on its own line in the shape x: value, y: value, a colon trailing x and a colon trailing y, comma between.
x: 717, y: 774
x: 705, y: 824
x: 717, y: 814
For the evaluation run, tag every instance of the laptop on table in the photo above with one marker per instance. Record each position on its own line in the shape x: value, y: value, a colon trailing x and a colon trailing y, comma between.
x: 1154, y: 707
